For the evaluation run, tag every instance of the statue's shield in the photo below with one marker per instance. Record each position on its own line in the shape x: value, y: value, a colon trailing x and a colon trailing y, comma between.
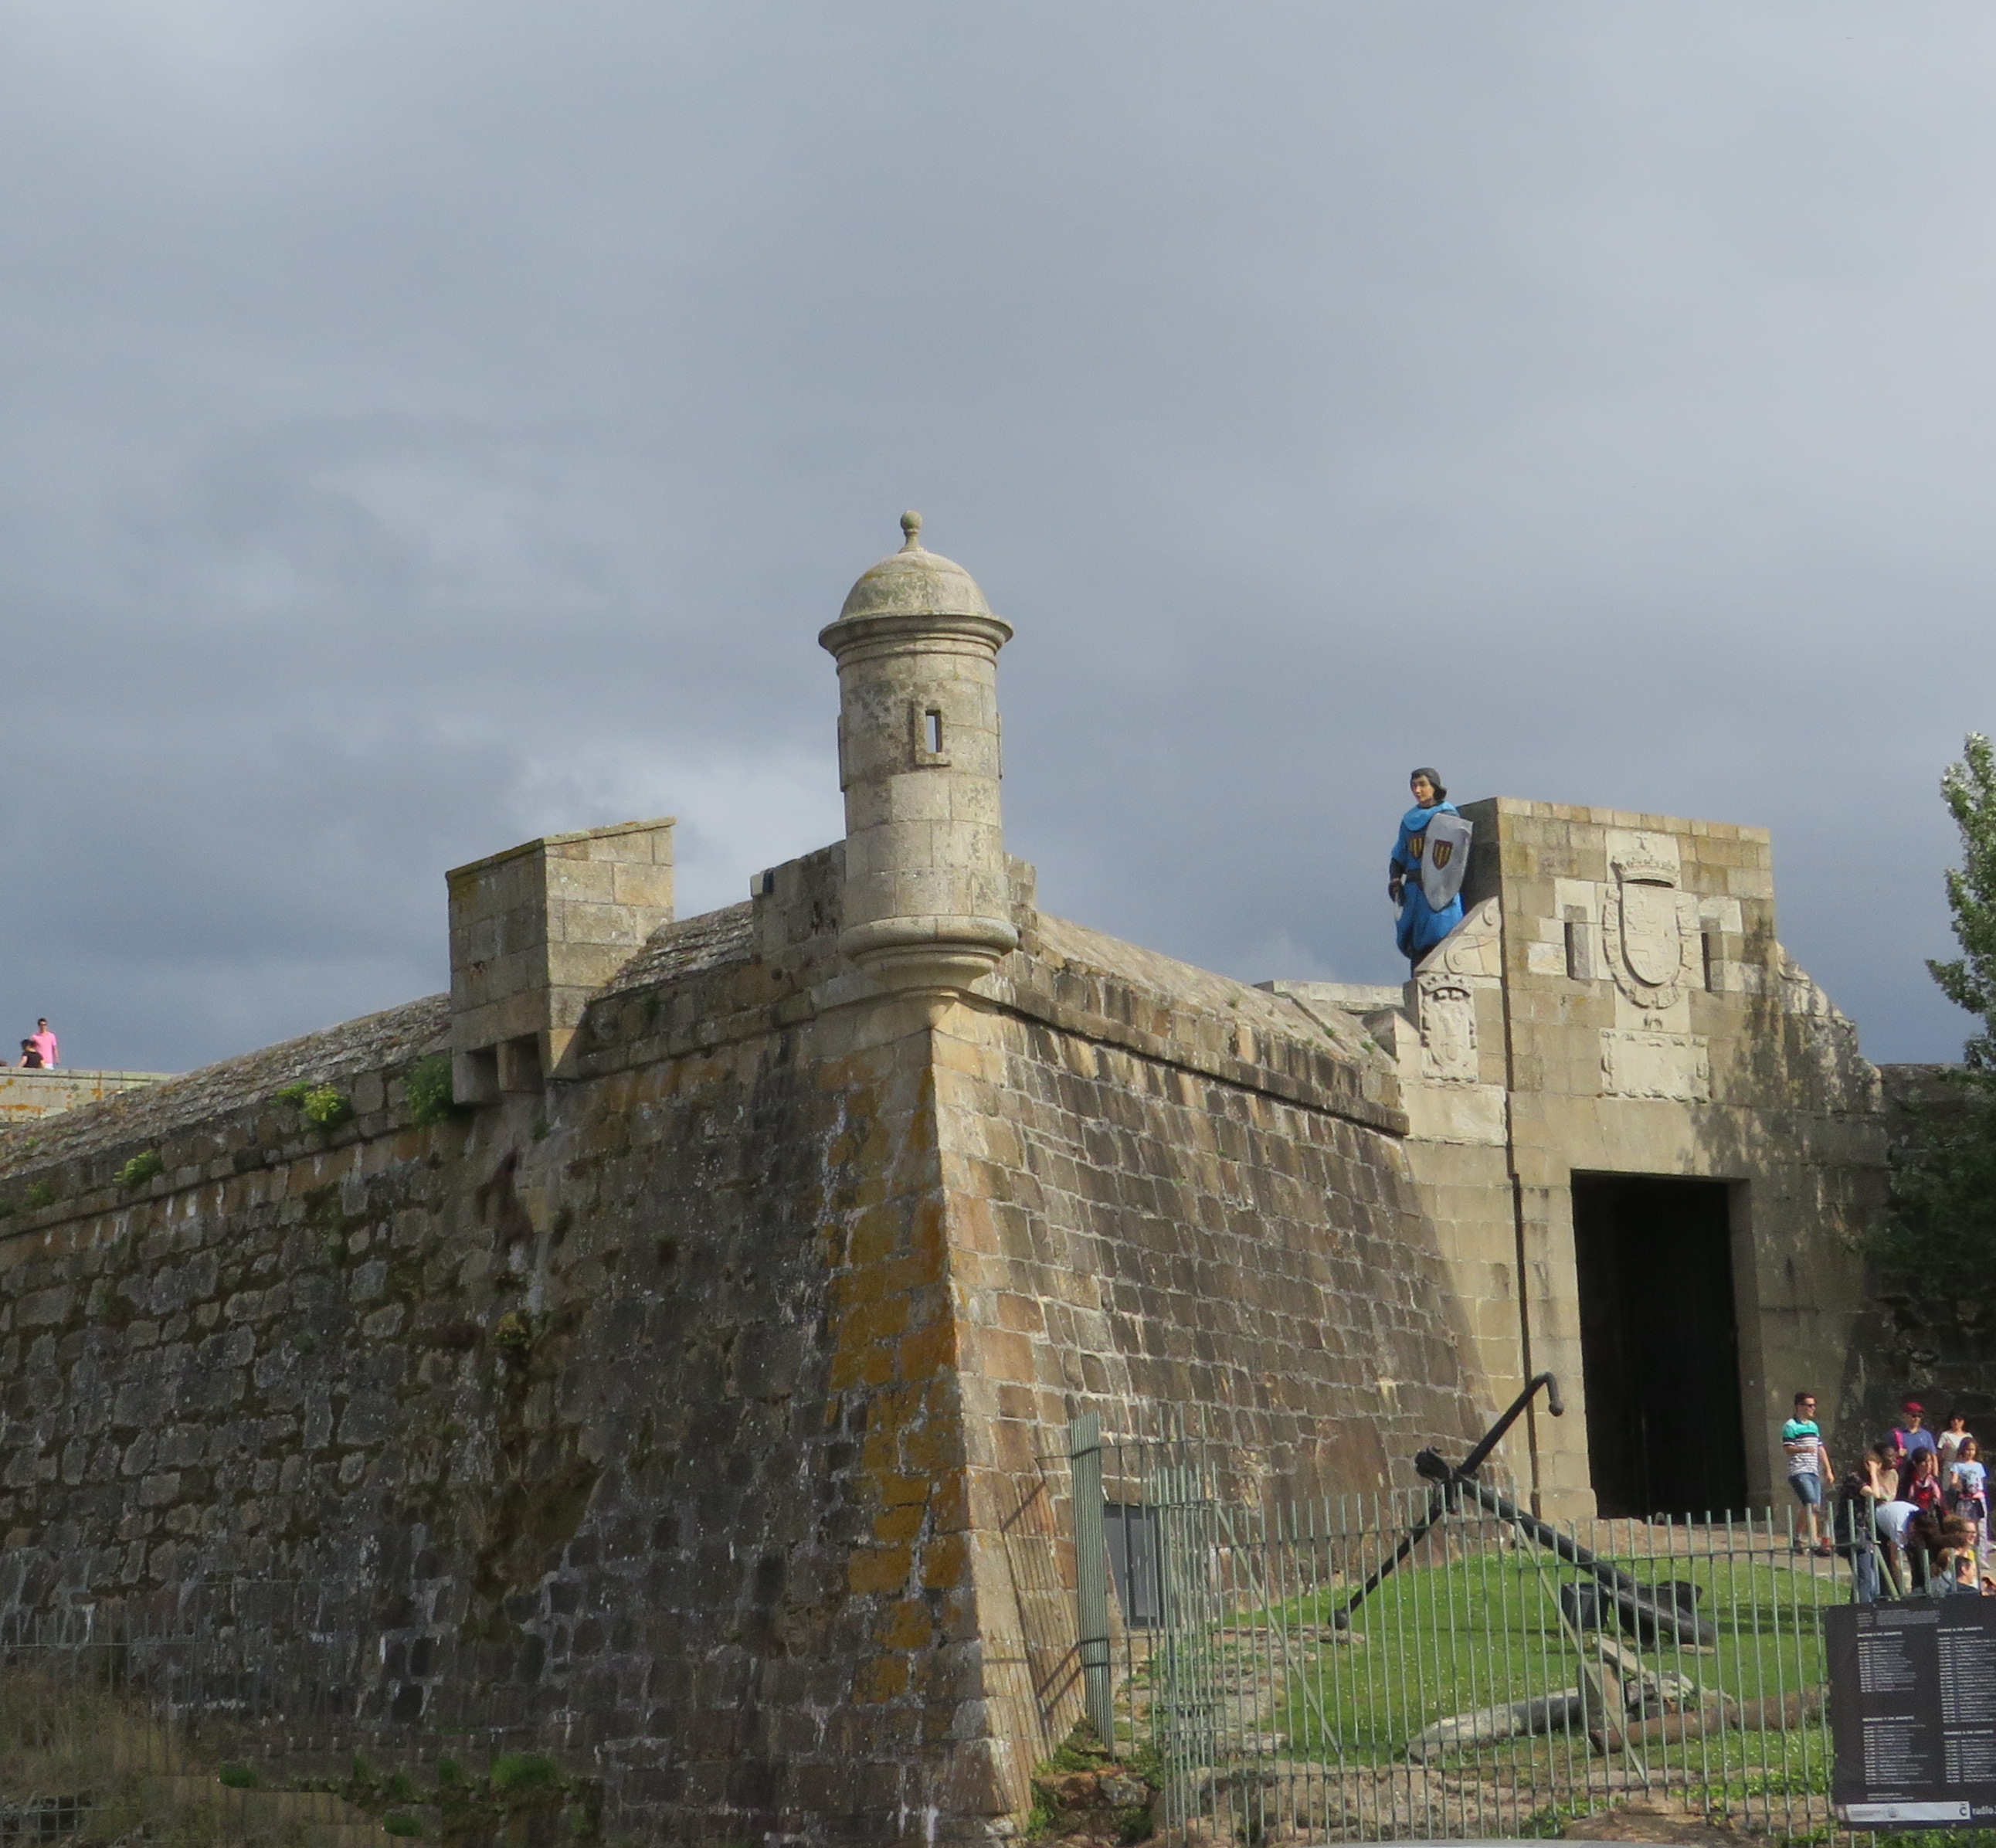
x: 1652, y: 943
x: 1445, y: 859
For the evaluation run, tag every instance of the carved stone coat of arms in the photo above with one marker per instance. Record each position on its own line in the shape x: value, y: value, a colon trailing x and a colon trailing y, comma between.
x: 1643, y: 923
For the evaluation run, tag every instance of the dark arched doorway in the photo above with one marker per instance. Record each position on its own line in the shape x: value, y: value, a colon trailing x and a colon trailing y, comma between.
x: 1660, y: 1342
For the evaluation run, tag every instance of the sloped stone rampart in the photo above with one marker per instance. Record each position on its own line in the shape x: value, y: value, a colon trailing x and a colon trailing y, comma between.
x: 627, y: 1419
x: 687, y: 1421
x: 1171, y: 1201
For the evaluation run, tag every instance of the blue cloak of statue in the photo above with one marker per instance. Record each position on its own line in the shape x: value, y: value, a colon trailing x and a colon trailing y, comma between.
x: 1420, y: 926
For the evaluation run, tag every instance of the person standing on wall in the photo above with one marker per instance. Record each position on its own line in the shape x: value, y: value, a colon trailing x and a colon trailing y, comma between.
x: 45, y: 1044
x: 1424, y: 876
x: 1808, y: 1469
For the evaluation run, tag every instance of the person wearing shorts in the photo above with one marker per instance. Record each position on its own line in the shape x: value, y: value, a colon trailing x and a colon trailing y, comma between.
x: 1968, y: 1489
x: 1808, y: 1469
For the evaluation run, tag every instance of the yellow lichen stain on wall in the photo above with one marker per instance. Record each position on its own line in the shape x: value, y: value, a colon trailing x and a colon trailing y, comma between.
x: 893, y: 1357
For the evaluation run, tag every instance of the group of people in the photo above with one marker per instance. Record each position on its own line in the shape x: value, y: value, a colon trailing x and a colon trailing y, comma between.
x: 1913, y: 1516
x: 38, y: 1050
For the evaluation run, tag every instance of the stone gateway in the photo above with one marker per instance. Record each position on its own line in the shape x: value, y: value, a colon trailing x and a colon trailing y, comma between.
x: 678, y: 1400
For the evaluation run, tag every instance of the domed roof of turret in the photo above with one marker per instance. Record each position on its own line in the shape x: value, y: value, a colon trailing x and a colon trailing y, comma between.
x: 912, y: 581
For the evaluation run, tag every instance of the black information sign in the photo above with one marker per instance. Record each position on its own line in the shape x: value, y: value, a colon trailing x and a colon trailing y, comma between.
x: 1913, y: 1710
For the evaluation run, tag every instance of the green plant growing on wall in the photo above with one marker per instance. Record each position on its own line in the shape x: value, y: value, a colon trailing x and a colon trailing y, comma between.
x: 40, y: 1195
x: 525, y: 1797
x: 1939, y: 1233
x: 140, y: 1169
x: 523, y: 1771
x: 513, y: 1335
x: 326, y: 1108
x: 432, y: 1097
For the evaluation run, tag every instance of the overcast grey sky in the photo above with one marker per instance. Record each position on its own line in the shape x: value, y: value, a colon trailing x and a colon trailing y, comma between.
x: 430, y: 425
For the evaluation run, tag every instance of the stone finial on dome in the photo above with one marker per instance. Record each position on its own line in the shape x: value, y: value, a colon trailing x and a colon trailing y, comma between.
x: 911, y: 527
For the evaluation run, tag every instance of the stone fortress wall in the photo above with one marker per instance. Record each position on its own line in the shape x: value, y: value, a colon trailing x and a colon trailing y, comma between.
x: 690, y: 1406
x: 688, y: 1397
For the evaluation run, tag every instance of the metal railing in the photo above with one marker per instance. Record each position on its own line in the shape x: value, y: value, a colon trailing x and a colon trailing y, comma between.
x: 1503, y: 1677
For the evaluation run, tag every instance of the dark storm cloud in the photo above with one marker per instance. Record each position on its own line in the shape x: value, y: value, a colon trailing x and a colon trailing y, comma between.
x: 428, y: 427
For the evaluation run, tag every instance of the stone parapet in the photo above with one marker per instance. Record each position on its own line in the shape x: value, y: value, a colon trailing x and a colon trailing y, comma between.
x: 26, y: 1096
x: 534, y: 932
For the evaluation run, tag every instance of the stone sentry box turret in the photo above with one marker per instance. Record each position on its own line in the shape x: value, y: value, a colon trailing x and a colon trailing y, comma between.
x: 534, y: 932
x: 926, y: 904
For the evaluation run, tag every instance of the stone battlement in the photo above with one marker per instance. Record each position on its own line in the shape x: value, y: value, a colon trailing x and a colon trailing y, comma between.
x: 1525, y: 809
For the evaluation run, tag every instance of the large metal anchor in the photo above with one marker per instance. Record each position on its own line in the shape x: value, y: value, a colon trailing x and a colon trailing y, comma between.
x: 1636, y: 1602
x: 1440, y: 1500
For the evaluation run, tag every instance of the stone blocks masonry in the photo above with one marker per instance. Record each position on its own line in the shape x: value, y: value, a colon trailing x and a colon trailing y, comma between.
x: 681, y: 1405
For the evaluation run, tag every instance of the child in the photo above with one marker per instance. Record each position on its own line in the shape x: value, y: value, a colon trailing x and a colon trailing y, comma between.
x: 1923, y: 1486
x: 1968, y: 1489
x: 1953, y: 1572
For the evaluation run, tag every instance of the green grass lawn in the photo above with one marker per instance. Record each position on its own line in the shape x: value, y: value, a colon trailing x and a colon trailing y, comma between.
x: 1443, y: 1637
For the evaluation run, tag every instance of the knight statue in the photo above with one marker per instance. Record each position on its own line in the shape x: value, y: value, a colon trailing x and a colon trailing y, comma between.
x: 1424, y: 877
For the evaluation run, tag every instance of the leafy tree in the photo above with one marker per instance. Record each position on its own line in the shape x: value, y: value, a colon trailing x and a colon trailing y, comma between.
x: 1939, y: 1236
x: 1969, y: 789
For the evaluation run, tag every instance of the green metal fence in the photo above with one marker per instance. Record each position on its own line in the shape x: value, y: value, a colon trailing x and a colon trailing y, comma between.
x: 1509, y: 1676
